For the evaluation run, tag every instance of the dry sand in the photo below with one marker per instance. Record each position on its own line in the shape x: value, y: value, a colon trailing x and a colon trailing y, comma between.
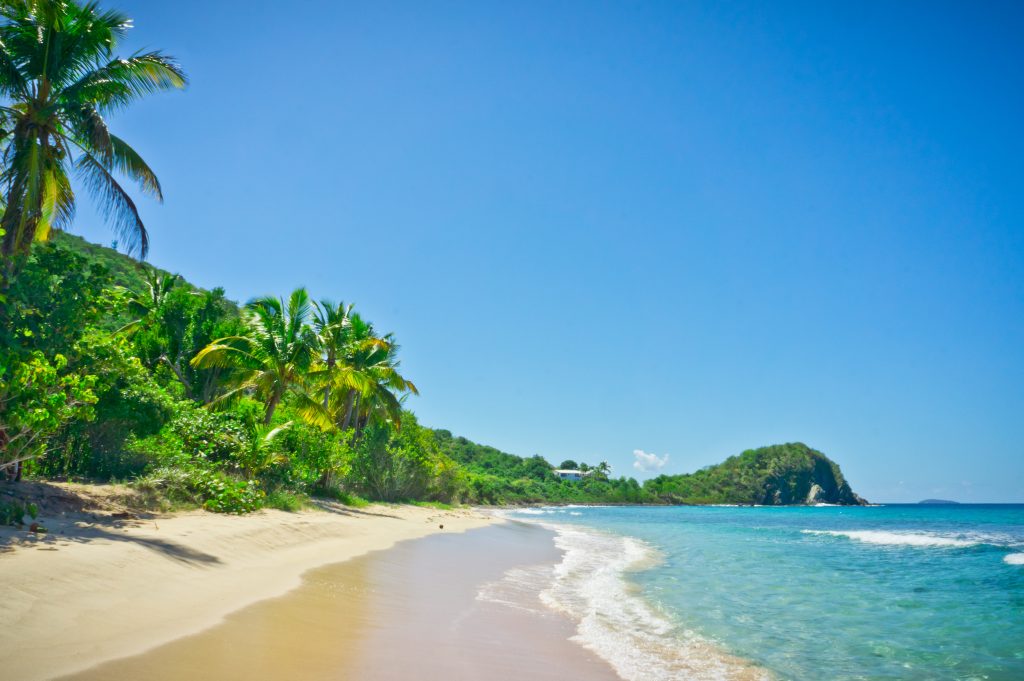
x: 88, y: 592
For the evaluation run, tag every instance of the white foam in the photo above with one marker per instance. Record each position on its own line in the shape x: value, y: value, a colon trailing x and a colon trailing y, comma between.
x: 519, y: 588
x: 641, y: 643
x: 1014, y: 559
x: 921, y: 539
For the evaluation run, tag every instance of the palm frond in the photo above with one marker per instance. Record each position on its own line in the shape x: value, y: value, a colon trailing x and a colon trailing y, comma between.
x: 121, y: 81
x: 12, y: 83
x: 224, y: 353
x: 312, y: 411
x: 126, y: 160
x: 117, y: 206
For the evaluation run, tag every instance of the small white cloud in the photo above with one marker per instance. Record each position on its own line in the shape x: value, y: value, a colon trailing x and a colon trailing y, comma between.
x: 647, y: 463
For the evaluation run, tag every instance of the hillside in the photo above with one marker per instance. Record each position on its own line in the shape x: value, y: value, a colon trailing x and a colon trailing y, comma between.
x: 124, y: 270
x: 776, y: 475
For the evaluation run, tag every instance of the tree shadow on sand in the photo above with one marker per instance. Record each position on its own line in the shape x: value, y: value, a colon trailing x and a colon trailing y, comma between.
x: 84, y: 532
x: 341, y: 509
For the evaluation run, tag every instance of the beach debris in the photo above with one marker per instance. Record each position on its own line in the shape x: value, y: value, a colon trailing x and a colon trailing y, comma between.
x: 440, y: 527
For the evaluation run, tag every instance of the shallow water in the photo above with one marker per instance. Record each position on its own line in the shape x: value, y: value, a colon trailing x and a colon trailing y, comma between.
x: 900, y: 592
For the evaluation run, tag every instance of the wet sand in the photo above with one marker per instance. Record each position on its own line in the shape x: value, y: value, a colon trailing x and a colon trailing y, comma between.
x: 409, y: 612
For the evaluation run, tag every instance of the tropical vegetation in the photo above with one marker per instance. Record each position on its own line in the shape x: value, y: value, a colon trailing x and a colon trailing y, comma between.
x: 130, y: 373
x: 111, y: 369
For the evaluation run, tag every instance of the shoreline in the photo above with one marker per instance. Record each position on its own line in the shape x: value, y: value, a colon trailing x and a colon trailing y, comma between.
x: 84, y: 593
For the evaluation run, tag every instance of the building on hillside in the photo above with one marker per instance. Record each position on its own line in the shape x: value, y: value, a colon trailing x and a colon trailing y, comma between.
x: 570, y: 474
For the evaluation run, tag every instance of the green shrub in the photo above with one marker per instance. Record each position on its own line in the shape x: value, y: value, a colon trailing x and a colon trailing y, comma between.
x: 199, y: 483
x: 14, y: 512
x: 224, y: 494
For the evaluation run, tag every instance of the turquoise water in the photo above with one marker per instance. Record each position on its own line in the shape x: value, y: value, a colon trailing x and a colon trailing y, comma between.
x: 888, y: 592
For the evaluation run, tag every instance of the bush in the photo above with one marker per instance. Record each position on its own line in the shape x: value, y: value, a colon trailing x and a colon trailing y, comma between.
x: 129, y: 403
x: 14, y: 512
x: 198, y: 485
x: 316, y: 460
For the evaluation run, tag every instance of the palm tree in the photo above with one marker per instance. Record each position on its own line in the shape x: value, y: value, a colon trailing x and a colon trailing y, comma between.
x: 273, y: 356
x: 357, y: 372
x: 374, y: 368
x: 145, y: 304
x: 387, y: 388
x: 59, y: 77
x: 333, y: 327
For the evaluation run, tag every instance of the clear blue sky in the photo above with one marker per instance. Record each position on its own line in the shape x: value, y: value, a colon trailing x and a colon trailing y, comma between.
x: 684, y: 228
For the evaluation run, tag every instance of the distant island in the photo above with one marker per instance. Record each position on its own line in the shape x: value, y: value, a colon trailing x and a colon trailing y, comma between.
x: 938, y: 502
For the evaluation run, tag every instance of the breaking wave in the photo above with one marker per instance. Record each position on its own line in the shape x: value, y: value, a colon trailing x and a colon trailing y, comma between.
x: 591, y: 587
x: 899, y: 538
x: 1014, y: 559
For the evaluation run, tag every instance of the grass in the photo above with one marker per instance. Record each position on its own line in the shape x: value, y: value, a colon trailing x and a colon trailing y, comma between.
x: 353, y: 500
x: 439, y: 505
x: 341, y: 496
x: 283, y: 500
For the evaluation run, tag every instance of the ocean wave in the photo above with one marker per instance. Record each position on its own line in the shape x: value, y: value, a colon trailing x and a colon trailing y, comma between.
x: 614, y: 621
x: 901, y: 538
x: 1014, y: 559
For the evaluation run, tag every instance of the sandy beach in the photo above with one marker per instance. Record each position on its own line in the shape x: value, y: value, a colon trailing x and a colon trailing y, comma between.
x: 414, y: 611
x: 95, y: 589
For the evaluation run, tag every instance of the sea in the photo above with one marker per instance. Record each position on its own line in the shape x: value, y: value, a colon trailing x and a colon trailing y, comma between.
x: 803, y: 593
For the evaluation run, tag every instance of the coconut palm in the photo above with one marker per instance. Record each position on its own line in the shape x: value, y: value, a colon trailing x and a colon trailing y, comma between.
x: 145, y: 304
x: 273, y: 356
x: 333, y: 327
x: 59, y: 77
x: 386, y: 390
x: 373, y: 362
x: 357, y: 374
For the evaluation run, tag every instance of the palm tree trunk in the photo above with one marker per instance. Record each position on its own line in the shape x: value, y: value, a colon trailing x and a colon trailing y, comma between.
x: 210, y: 384
x: 181, y: 376
x: 327, y: 388
x: 271, y: 406
x: 358, y: 426
x: 348, y: 408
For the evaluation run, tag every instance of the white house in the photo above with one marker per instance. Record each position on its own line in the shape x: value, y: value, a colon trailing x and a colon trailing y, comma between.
x: 570, y: 474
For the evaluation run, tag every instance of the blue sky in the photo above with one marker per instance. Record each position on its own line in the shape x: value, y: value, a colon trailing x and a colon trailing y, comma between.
x: 682, y: 228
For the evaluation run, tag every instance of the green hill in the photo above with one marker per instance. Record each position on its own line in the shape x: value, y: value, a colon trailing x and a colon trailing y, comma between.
x: 124, y: 270
x: 776, y: 475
